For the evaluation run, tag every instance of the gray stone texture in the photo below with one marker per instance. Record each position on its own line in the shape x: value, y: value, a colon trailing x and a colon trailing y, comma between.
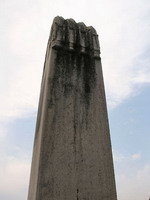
x: 72, y: 158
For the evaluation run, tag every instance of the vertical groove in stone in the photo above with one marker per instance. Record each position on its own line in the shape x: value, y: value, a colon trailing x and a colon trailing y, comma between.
x: 72, y: 158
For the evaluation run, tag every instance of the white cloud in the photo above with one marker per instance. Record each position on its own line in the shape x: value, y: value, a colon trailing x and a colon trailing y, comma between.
x: 136, y: 185
x: 14, y: 175
x: 123, y: 45
x: 136, y: 156
x: 132, y: 176
x: 119, y: 157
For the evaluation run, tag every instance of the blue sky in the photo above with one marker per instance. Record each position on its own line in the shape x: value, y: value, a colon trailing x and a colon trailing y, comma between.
x: 124, y: 29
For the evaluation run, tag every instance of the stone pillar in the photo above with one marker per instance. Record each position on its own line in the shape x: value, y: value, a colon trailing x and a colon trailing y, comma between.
x: 72, y: 156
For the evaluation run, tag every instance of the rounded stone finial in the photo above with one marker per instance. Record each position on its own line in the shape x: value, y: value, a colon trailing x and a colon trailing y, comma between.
x: 59, y: 20
x: 57, y: 36
x: 93, y: 41
x: 83, y: 40
x: 91, y: 29
x: 71, y: 34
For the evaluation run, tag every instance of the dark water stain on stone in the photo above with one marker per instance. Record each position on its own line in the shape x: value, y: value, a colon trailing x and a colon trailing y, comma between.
x: 77, y: 194
x: 67, y: 65
x: 89, y: 78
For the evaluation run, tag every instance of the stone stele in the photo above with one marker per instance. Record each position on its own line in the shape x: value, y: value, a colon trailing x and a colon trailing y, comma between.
x: 72, y: 156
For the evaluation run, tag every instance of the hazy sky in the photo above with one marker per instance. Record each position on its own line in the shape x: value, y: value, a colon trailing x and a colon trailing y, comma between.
x: 124, y: 33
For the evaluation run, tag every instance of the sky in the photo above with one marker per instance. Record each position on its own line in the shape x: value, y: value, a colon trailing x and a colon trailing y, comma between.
x: 124, y: 30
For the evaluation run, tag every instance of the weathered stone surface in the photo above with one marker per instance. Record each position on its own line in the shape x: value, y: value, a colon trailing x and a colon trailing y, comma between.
x: 71, y: 36
x: 72, y: 158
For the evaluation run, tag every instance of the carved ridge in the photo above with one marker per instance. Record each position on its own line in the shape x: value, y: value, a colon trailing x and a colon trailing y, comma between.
x: 67, y: 35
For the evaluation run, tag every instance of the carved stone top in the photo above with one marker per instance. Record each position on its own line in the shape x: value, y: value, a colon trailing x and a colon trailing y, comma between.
x: 72, y: 36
